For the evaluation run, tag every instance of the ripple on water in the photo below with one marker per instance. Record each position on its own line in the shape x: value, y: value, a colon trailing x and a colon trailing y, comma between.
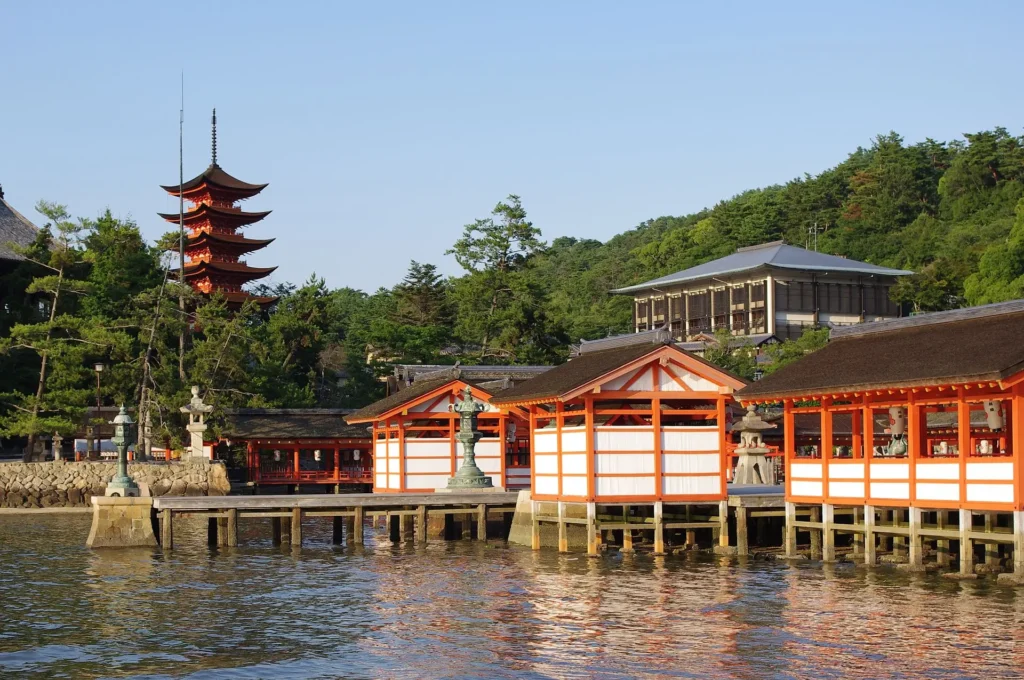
x: 466, y: 610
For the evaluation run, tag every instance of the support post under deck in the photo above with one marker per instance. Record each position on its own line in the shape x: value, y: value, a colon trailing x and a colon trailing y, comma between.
x: 869, y: 535
x: 481, y: 522
x: 742, y: 533
x: 828, y: 534
x: 166, y: 529
x: 966, y: 543
x: 723, y: 524
x: 659, y: 529
x: 357, y: 526
x: 296, y: 527
x: 789, y: 531
x: 232, y: 528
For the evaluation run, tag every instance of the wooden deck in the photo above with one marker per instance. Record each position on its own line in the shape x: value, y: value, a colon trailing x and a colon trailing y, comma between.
x: 348, y: 511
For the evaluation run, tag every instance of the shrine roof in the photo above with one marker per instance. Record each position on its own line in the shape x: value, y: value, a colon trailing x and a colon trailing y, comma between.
x: 776, y: 254
x: 587, y: 367
x: 418, y: 389
x: 233, y: 239
x: 194, y: 268
x: 980, y: 344
x: 286, y: 423
x: 15, y: 229
x: 216, y: 176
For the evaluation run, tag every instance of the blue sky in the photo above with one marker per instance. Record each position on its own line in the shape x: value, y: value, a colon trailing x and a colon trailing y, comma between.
x: 382, y: 128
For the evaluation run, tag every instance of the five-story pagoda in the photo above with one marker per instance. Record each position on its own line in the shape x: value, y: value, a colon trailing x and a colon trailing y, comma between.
x: 213, y: 247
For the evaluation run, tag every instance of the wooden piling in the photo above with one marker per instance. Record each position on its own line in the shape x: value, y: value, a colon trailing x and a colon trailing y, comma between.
x: 211, y: 532
x: 915, y: 555
x: 828, y: 534
x: 421, y: 524
x: 296, y: 527
x: 275, y: 530
x: 1018, y: 543
x: 869, y: 535
x: 534, y: 525
x: 742, y: 535
x: 858, y: 538
x: 592, y: 531
x: 723, y: 523
x: 966, y: 543
x: 991, y: 549
x: 563, y: 543
x: 627, y: 533
x: 337, y: 530
x: 942, y: 544
x: 481, y: 522
x: 816, y: 534
x: 166, y: 529
x: 659, y: 529
x: 789, y: 531
x: 899, y: 543
x: 357, y: 526
x: 232, y: 527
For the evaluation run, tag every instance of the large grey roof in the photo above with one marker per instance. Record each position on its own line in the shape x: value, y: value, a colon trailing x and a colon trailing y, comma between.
x: 14, y: 228
x: 775, y: 254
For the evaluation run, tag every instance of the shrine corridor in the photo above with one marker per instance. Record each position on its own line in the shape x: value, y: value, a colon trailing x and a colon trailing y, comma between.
x: 470, y: 609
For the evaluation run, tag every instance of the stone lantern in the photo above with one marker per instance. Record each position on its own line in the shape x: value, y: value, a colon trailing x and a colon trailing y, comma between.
x: 752, y: 466
x: 58, y: 441
x: 197, y: 412
x: 469, y: 475
x: 122, y: 485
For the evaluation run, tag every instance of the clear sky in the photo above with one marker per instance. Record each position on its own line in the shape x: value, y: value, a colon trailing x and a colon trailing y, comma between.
x: 382, y: 128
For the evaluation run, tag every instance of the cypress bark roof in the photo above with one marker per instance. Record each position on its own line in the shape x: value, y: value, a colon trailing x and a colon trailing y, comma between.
x: 216, y: 176
x: 14, y: 229
x: 979, y: 345
x: 420, y: 388
x: 204, y: 210
x: 287, y: 423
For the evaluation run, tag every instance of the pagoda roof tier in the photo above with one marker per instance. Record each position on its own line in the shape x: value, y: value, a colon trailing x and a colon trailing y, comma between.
x: 236, y: 269
x: 239, y: 298
x: 205, y: 211
x: 215, y: 178
x: 236, y: 243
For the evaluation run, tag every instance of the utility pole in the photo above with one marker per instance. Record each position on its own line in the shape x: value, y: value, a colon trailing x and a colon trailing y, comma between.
x: 181, y: 234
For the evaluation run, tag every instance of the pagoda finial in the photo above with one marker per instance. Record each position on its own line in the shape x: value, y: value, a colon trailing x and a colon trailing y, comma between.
x: 215, y: 136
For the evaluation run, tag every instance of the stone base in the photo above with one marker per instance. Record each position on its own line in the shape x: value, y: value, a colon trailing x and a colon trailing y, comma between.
x: 119, y: 522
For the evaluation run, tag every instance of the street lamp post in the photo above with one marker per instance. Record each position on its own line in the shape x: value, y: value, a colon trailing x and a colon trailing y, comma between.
x: 122, y: 484
x: 98, y: 367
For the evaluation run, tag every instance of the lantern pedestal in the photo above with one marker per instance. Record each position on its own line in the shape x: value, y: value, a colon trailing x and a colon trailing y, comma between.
x: 121, y: 522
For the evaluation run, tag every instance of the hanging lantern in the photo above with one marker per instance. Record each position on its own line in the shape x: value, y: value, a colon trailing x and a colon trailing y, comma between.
x: 316, y: 455
x: 277, y: 455
x: 355, y: 454
x: 510, y: 432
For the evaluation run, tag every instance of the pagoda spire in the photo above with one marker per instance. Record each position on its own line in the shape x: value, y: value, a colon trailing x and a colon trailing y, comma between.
x: 214, y: 136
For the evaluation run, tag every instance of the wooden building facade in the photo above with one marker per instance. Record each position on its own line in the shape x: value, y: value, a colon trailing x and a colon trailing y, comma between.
x: 640, y: 423
x: 414, y: 443
x: 919, y: 418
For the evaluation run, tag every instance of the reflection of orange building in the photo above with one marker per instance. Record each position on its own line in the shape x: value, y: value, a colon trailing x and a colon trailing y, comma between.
x: 213, y: 247
x: 922, y: 414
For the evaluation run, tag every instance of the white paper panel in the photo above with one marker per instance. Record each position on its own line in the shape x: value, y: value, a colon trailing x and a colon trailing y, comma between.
x: 428, y: 482
x: 574, y: 463
x: 938, y: 471
x: 574, y: 486
x: 491, y: 466
x: 624, y: 462
x: 379, y: 449
x: 805, y: 488
x: 441, y: 407
x: 666, y: 383
x: 546, y: 465
x: 381, y: 481
x: 547, y: 486
x: 574, y: 440
x: 806, y: 471
x: 691, y: 486
x: 890, y: 471
x: 990, y: 493
x: 545, y: 442
x: 846, y: 489
x: 428, y: 447
x: 993, y: 471
x: 616, y: 439
x: 690, y: 462
x: 846, y: 471
x: 930, y: 491
x: 625, y: 486
x: 393, y: 482
x: 617, y: 383
x: 427, y: 465
x: 393, y: 464
x: 893, y: 490
x: 689, y: 439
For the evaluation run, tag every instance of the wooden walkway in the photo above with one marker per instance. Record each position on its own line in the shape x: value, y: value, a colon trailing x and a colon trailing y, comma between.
x: 348, y: 511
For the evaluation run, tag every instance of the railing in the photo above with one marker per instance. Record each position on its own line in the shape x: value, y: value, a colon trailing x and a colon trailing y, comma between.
x: 349, y: 474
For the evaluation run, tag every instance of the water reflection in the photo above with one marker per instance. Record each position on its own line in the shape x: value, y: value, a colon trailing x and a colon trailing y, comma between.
x: 469, y: 610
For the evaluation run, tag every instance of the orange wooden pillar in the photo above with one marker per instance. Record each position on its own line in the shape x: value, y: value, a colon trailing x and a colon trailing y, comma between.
x: 337, y: 464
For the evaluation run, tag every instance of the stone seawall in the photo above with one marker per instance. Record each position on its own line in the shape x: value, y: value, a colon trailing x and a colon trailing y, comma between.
x: 67, y: 484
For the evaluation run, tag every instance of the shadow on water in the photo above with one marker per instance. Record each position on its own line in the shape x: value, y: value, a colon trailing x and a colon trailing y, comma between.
x: 462, y: 609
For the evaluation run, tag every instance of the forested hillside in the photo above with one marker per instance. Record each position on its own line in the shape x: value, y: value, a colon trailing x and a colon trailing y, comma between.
x: 951, y: 211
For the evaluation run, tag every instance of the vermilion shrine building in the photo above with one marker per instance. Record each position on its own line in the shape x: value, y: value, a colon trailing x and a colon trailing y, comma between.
x: 213, y: 246
x: 641, y: 424
x: 921, y: 434
x: 415, y: 449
